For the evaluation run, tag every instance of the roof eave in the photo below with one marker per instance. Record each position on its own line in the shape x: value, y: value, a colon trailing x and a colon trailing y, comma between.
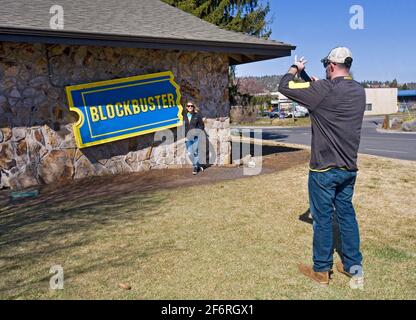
x: 249, y: 52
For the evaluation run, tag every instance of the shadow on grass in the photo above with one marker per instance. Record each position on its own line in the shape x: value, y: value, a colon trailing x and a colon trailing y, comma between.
x: 60, y: 221
x: 240, y: 150
x: 111, y: 268
x: 54, y: 216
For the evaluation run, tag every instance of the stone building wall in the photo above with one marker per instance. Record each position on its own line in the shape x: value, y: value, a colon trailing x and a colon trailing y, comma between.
x: 37, y: 144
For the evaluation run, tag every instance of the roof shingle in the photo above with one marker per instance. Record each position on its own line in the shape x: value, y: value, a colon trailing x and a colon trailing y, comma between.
x: 132, y: 21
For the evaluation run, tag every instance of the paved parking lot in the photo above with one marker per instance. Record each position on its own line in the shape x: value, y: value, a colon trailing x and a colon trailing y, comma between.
x: 390, y: 145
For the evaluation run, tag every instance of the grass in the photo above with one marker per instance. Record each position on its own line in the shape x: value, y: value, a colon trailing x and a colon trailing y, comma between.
x: 239, y: 239
x: 405, y: 115
x: 299, y: 122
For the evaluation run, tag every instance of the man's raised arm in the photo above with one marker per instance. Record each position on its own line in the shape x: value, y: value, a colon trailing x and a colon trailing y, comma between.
x: 309, y: 94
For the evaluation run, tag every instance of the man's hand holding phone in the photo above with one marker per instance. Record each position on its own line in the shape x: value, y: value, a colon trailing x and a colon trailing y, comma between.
x: 299, y: 68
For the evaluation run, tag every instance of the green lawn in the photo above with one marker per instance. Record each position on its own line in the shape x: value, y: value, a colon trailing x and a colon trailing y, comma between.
x: 239, y: 239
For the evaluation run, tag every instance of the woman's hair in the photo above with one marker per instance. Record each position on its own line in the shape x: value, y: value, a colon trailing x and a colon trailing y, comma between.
x: 196, y: 109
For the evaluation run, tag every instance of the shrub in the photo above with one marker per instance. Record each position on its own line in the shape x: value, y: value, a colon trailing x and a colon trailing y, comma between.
x: 409, y: 125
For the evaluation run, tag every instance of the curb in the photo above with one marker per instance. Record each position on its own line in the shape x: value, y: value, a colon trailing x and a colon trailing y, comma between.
x: 268, y: 127
x: 270, y: 143
x: 394, y: 131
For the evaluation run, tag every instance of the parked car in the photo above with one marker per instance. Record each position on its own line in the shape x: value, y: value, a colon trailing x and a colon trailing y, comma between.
x: 303, y: 110
x: 300, y: 111
x: 298, y: 114
x: 275, y: 113
x: 289, y: 114
x: 264, y: 113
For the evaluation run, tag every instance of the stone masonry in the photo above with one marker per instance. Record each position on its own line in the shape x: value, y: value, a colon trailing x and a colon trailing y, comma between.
x: 37, y: 144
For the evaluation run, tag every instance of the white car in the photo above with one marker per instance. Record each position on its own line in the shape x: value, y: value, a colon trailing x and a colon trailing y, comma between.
x: 304, y: 111
x: 298, y: 114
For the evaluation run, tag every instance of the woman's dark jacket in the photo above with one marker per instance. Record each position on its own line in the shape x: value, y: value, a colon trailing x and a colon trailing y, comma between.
x: 195, y: 123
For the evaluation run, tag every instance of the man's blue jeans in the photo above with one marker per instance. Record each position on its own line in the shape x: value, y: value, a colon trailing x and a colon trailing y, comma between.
x: 331, y: 190
x: 193, y: 152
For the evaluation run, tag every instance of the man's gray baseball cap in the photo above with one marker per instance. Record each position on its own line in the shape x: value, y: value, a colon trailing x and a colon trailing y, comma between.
x: 338, y: 55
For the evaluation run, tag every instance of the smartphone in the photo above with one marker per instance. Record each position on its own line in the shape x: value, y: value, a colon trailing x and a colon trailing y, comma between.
x: 305, y: 76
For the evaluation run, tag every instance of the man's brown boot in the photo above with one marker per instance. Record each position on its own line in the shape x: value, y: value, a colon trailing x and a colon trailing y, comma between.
x: 321, y: 277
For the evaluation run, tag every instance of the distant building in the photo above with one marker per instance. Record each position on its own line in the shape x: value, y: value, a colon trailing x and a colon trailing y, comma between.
x: 407, y: 100
x: 381, y: 101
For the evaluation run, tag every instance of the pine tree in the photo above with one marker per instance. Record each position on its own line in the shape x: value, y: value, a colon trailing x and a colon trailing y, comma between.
x: 405, y: 87
x: 247, y: 16
x: 394, y: 84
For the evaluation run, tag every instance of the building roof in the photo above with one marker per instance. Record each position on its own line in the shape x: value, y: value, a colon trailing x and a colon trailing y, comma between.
x: 131, y: 23
x: 407, y: 93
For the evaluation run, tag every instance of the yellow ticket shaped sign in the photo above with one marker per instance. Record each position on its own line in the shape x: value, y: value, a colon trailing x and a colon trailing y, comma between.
x: 122, y: 108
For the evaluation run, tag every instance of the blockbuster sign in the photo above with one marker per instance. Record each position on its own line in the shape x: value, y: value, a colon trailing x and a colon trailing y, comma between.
x: 123, y: 108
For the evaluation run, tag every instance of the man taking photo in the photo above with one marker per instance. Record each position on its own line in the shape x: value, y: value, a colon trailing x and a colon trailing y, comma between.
x: 336, y: 107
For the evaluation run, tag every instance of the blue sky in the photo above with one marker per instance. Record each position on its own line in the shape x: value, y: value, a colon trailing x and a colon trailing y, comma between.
x: 385, y: 49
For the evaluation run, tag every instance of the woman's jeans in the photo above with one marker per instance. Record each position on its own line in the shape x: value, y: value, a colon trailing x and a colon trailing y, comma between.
x: 331, y: 190
x: 192, y: 148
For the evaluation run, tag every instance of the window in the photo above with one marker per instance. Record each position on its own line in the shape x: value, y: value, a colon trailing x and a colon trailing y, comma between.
x: 369, y: 107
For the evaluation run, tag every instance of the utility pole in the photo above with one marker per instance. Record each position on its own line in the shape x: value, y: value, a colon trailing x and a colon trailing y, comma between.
x: 293, y: 111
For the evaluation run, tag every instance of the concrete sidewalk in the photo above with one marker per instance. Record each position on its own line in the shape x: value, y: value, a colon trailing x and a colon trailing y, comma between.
x: 276, y: 158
